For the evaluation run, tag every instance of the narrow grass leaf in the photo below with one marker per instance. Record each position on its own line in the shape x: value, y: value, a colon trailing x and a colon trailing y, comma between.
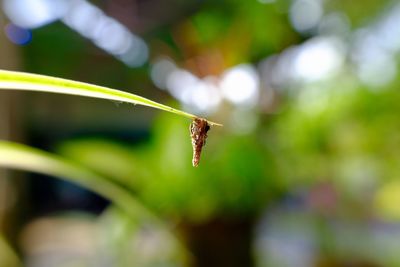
x: 14, y: 80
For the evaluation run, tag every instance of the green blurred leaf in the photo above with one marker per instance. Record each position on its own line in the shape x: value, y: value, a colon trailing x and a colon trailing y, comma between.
x: 21, y: 157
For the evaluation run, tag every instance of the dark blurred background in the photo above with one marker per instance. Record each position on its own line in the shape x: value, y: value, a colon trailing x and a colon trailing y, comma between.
x: 305, y: 171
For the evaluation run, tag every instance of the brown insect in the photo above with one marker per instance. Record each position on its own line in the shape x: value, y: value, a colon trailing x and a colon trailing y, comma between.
x: 198, y: 132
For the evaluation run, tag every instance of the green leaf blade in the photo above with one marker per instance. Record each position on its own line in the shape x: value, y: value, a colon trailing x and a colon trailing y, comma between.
x: 20, y: 157
x: 13, y: 80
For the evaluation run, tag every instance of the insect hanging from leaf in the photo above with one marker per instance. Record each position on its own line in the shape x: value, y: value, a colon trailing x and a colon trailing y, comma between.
x: 198, y: 132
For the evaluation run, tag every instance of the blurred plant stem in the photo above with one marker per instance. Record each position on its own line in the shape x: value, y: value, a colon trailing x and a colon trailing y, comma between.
x: 9, y: 129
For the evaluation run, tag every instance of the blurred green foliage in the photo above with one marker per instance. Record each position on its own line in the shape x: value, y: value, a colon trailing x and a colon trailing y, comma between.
x: 345, y: 126
x: 346, y: 136
x: 338, y: 135
x: 237, y: 175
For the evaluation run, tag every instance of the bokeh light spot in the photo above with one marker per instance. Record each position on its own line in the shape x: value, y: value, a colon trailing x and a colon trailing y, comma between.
x: 160, y: 71
x: 18, y: 35
x: 106, y: 32
x: 318, y: 59
x: 240, y: 84
x: 34, y: 13
x: 305, y: 14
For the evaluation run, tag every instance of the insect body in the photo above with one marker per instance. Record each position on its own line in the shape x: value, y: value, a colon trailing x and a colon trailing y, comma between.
x: 198, y: 132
